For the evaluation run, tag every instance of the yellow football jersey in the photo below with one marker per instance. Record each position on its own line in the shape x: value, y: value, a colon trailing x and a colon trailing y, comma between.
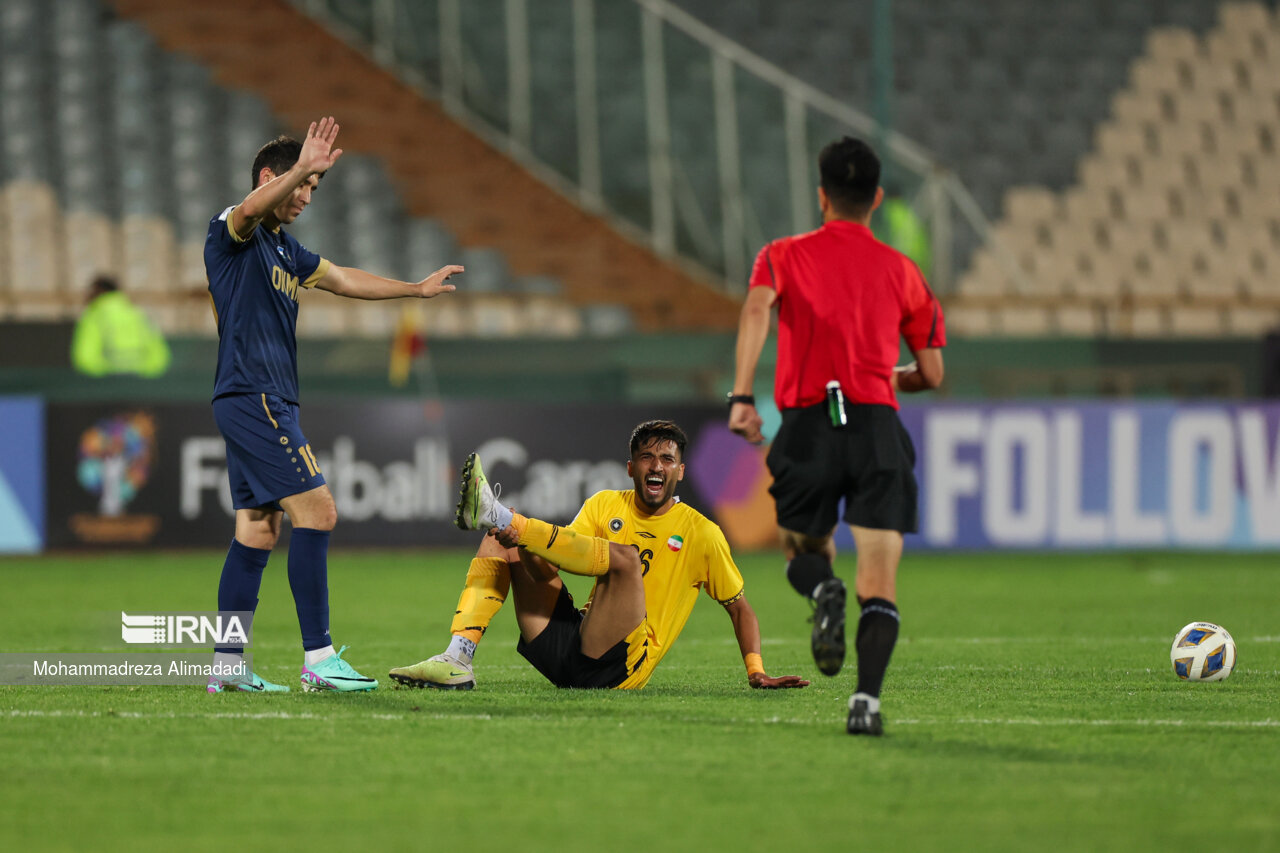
x: 681, y: 551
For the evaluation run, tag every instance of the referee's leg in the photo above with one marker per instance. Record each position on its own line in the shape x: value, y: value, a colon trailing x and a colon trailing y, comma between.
x: 879, y: 552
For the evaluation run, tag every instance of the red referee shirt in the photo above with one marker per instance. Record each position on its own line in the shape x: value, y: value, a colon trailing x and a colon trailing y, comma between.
x: 844, y: 298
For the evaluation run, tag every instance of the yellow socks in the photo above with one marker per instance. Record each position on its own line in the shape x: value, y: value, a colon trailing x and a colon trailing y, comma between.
x: 488, y: 581
x: 572, y: 552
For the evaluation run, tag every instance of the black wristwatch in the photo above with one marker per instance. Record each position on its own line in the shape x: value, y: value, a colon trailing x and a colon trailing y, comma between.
x: 740, y: 398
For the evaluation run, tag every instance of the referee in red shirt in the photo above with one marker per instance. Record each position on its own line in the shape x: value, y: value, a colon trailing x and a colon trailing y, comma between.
x: 844, y: 299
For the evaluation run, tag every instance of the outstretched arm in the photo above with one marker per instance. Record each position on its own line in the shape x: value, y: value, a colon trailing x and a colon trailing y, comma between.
x: 358, y: 284
x: 753, y: 330
x: 317, y: 156
x: 747, y: 629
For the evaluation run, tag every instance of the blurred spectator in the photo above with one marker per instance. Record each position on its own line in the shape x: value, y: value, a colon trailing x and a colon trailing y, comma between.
x: 905, y: 231
x: 114, y: 336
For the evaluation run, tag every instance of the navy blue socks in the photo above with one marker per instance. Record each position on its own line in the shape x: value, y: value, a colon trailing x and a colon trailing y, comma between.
x: 309, y: 581
x: 241, y: 579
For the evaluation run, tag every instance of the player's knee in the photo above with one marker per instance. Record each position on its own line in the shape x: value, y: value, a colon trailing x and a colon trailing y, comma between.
x: 623, y: 559
x: 319, y: 516
x: 263, y: 537
x: 327, y: 519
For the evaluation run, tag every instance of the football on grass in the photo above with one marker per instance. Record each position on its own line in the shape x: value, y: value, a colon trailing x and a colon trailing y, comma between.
x: 1203, y: 651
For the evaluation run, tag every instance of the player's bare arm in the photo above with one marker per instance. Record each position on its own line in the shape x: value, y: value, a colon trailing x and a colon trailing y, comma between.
x: 924, y: 374
x: 316, y: 157
x: 358, y: 284
x: 746, y: 627
x: 753, y: 330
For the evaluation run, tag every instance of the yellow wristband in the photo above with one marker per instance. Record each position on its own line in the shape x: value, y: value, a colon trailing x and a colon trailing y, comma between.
x: 754, y: 663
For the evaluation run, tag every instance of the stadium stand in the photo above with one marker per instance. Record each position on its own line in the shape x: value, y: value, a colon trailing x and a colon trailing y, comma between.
x: 1172, y: 224
x: 119, y: 146
x: 1128, y: 148
x: 1131, y: 162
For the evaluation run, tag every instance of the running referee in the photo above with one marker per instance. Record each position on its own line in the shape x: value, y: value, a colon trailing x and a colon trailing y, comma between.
x: 844, y: 301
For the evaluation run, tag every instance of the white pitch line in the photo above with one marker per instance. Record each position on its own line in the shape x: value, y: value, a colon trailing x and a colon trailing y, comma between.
x: 1028, y: 721
x: 806, y: 721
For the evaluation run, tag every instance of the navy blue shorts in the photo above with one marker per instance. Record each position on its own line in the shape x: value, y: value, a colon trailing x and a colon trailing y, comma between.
x: 268, y: 457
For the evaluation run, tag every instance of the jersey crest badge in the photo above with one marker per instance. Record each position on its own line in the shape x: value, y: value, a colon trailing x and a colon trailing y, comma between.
x: 615, y: 524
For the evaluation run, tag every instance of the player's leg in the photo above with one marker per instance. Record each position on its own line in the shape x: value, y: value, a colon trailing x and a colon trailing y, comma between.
x: 248, y: 434
x: 479, y: 509
x: 314, y: 514
x: 257, y: 530
x: 618, y: 605
x: 489, y: 579
x: 879, y: 552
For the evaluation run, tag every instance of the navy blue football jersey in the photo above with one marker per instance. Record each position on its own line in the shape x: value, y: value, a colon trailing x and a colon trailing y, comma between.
x: 254, y: 284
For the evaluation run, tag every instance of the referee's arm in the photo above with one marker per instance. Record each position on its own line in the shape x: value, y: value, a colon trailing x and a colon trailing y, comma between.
x: 924, y: 374
x: 753, y: 330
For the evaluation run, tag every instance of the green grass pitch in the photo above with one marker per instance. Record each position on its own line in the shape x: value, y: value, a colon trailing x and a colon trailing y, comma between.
x: 1030, y: 706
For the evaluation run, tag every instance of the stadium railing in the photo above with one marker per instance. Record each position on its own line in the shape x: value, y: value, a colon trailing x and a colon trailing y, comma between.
x: 707, y: 177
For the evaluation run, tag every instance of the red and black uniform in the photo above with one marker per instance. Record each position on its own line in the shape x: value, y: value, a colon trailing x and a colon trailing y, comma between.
x: 845, y: 300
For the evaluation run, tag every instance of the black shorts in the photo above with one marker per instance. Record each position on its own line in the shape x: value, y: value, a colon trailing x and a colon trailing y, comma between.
x: 557, y: 652
x: 869, y: 463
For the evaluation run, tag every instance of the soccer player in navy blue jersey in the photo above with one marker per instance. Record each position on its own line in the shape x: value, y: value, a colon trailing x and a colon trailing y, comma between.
x: 256, y: 273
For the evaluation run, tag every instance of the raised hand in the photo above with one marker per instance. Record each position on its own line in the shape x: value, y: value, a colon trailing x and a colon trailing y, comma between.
x: 318, y: 154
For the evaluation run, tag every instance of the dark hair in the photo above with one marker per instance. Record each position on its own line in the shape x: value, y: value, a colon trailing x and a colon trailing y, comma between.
x: 850, y: 173
x: 278, y: 155
x: 651, y: 431
x: 103, y: 284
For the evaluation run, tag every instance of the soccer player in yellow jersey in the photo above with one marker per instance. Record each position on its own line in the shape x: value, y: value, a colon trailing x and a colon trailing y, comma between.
x: 649, y: 554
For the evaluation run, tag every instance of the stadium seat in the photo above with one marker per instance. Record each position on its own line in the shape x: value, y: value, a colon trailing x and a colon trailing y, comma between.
x: 969, y: 321
x: 148, y: 254
x: 496, y: 316
x: 1024, y: 320
x: 33, y: 223
x: 371, y: 320
x: 1078, y: 321
x: 322, y: 315
x: 1195, y: 321
x: 92, y: 248
x: 1252, y: 321
x: 607, y: 320
x: 550, y: 317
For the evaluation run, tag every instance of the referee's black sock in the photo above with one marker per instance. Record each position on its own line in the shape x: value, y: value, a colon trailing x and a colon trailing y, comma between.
x: 877, y: 635
x: 806, y: 571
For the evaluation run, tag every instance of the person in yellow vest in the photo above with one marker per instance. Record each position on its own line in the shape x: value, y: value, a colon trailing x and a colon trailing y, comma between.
x: 114, y: 336
x: 905, y: 231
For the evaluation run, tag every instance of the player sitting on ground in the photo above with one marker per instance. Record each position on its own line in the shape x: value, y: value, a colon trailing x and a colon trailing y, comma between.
x: 648, y: 552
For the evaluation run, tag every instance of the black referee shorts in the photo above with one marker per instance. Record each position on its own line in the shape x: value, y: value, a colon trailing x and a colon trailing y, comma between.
x: 868, y: 462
